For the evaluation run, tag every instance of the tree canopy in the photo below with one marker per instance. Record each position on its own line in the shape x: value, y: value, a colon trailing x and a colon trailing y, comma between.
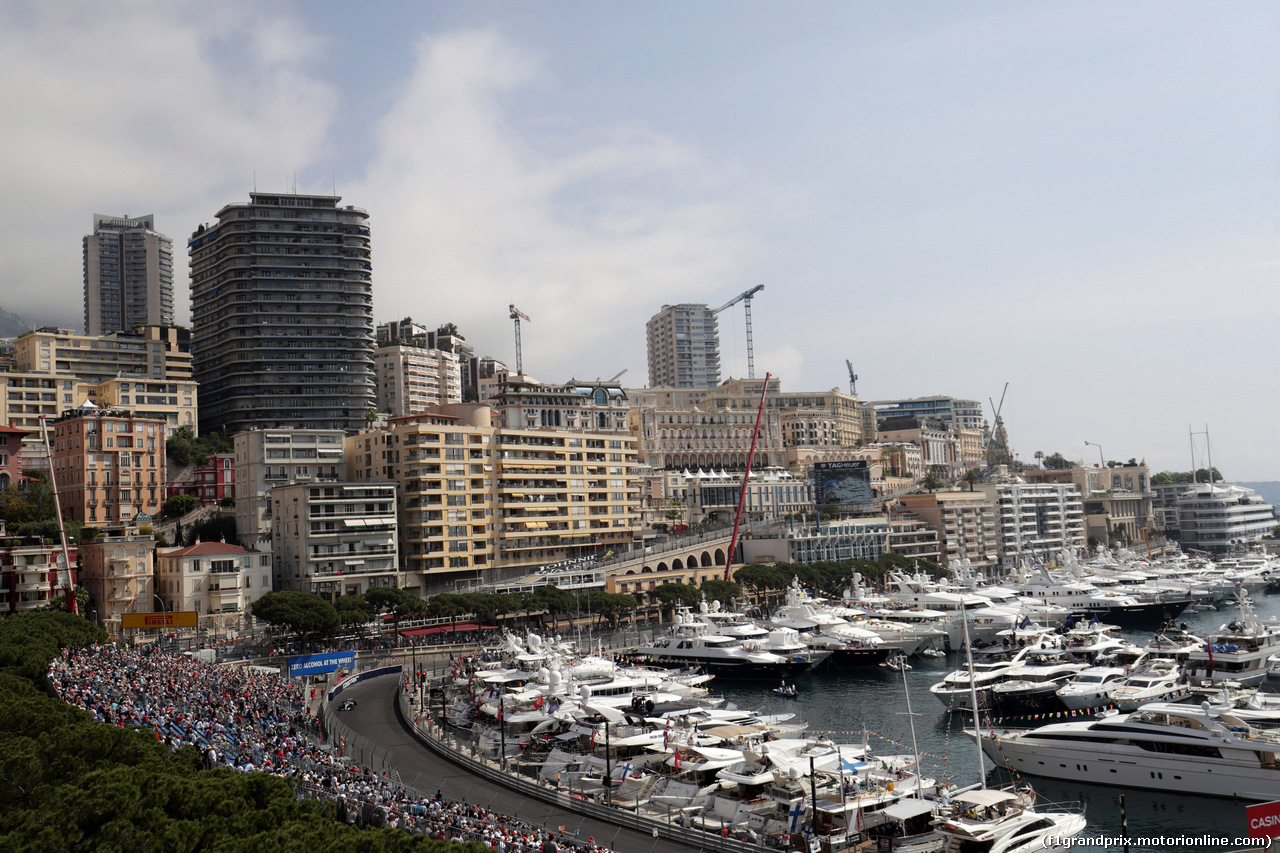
x: 302, y: 612
x: 1200, y: 475
x: 184, y: 447
x: 69, y: 783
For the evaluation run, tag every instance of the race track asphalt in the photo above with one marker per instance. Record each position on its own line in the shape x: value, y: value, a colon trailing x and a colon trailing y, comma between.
x: 374, y: 718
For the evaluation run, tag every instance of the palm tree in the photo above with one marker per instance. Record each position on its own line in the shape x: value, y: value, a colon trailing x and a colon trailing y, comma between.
x: 972, y: 477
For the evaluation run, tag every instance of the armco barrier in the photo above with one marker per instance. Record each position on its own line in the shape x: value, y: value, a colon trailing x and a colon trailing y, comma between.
x: 695, y: 839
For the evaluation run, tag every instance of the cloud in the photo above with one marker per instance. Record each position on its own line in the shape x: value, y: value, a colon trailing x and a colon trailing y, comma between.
x: 471, y: 211
x: 142, y: 108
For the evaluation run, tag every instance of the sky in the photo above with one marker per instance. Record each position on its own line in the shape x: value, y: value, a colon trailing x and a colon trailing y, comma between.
x: 1078, y: 200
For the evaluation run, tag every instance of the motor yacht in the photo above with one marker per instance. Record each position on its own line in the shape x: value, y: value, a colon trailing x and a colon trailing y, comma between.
x: 1162, y: 746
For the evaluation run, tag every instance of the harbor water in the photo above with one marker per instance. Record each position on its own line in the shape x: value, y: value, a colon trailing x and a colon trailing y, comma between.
x: 872, y: 704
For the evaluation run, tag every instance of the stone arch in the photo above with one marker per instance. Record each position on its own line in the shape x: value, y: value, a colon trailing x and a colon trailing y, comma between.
x: 662, y: 567
x: 719, y: 557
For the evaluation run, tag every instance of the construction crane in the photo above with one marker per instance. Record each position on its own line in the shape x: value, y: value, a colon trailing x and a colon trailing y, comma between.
x: 853, y: 379
x: 745, y: 299
x: 518, y: 315
x: 997, y: 449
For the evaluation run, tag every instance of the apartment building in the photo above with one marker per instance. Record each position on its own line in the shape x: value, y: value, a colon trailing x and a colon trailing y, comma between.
x: 266, y: 458
x: 30, y: 576
x: 965, y: 523
x: 117, y: 568
x: 11, y: 455
x: 413, y: 379
x: 217, y: 580
x: 684, y: 347
x: 282, y: 314
x: 109, y: 465
x: 128, y: 274
x: 1036, y: 519
x: 210, y: 483
x: 442, y: 464
x: 818, y: 418
x: 685, y: 428
x: 335, y: 538
x: 1118, y: 501
x: 939, y: 445
x: 595, y: 407
x: 831, y: 540
x: 475, y: 497
x: 146, y: 370
x: 953, y: 412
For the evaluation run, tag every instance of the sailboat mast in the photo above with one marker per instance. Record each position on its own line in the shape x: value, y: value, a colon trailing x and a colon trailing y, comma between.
x: 973, y: 692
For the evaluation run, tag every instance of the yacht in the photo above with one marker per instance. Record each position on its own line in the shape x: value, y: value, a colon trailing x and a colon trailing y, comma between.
x: 723, y: 657
x: 996, y: 821
x: 956, y: 692
x: 1162, y: 746
x: 1091, y: 689
x: 1157, y: 681
x: 1238, y: 651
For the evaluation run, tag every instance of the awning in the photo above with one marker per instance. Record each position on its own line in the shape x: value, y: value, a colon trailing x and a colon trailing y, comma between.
x: 437, y: 629
x: 985, y: 797
x: 906, y: 809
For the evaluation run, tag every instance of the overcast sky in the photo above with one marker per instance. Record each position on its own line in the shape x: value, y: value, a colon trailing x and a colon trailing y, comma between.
x: 1078, y: 199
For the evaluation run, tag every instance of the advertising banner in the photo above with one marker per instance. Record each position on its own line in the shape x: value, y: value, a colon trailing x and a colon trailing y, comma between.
x: 317, y: 664
x: 152, y: 621
x: 1264, y: 819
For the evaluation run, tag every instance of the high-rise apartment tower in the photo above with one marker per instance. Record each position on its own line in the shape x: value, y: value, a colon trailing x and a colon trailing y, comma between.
x: 282, y: 315
x: 684, y: 347
x: 128, y: 275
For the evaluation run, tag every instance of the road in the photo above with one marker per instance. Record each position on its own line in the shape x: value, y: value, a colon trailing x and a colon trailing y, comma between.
x: 374, y: 717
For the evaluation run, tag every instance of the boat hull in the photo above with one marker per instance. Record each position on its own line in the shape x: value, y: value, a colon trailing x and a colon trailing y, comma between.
x: 1138, y: 768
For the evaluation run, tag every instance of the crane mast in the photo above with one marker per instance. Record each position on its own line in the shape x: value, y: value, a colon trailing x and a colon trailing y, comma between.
x: 517, y: 315
x: 745, y: 299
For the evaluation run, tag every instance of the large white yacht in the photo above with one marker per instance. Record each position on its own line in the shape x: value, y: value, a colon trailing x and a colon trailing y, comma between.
x: 1166, y: 747
x: 1238, y: 651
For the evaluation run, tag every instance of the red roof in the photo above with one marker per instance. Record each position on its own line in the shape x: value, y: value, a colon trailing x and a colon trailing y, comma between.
x: 201, y: 549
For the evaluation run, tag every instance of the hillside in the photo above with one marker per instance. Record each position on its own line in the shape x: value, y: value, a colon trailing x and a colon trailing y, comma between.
x: 11, y: 325
x: 1268, y: 489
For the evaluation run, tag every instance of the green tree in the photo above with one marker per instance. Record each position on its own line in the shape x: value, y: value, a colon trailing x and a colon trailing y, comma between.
x: 674, y: 594
x: 722, y: 591
x: 931, y: 482
x: 555, y: 601
x: 221, y: 528
x: 179, y: 505
x: 353, y: 610
x: 400, y: 602
x: 300, y: 612
x: 1058, y: 462
x: 972, y: 478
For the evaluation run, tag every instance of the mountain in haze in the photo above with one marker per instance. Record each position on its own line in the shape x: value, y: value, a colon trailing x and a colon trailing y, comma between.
x: 1269, y: 490
x: 11, y: 325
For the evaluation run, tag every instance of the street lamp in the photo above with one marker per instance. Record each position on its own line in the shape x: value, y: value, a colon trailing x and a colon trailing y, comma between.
x: 1101, y: 463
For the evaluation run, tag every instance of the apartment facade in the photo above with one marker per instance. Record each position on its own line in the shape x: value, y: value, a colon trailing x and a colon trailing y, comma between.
x: 965, y: 523
x: 282, y: 314
x: 684, y: 347
x: 128, y: 274
x: 1036, y: 519
x: 29, y: 573
x: 412, y: 379
x: 335, y: 539
x: 11, y: 455
x: 266, y: 458
x: 474, y: 496
x: 117, y: 569
x: 819, y: 419
x: 1118, y: 501
x: 686, y: 428
x: 109, y: 465
x: 833, y: 540
x: 146, y: 370
x: 217, y: 580
x: 953, y: 412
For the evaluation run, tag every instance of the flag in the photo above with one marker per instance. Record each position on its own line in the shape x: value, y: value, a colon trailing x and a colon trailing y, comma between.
x: 593, y: 738
x: 677, y: 759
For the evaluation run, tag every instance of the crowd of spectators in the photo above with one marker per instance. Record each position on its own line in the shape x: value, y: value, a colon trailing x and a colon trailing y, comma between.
x: 254, y: 721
